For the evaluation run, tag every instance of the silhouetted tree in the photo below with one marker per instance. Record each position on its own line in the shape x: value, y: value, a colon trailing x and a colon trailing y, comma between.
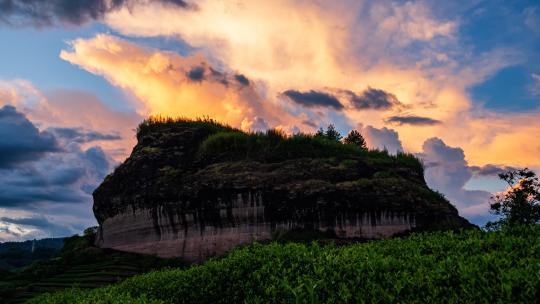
x: 520, y: 203
x: 320, y: 132
x: 332, y: 134
x: 355, y: 138
x: 90, y: 233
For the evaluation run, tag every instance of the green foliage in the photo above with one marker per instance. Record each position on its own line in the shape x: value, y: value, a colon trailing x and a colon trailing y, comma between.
x: 15, y: 255
x: 79, y: 296
x: 224, y: 143
x: 332, y: 134
x: 270, y: 146
x: 276, y: 146
x: 520, y: 203
x: 408, y: 159
x: 159, y: 123
x: 320, y: 132
x: 81, y: 264
x: 90, y: 232
x: 355, y: 138
x: 443, y: 267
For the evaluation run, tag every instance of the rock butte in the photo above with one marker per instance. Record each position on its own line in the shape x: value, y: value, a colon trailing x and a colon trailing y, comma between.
x: 171, y: 198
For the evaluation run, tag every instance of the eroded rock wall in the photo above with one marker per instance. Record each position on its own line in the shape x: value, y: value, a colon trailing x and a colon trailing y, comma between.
x: 165, y: 233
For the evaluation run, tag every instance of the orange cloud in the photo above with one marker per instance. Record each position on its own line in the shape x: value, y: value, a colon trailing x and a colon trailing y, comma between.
x: 169, y: 84
x: 303, y: 45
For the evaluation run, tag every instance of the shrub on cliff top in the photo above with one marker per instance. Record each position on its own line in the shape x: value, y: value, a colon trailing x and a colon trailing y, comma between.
x: 159, y: 123
x: 226, y: 146
x: 226, y: 143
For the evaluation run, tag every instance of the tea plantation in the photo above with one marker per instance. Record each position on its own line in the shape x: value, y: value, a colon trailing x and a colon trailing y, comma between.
x: 443, y: 267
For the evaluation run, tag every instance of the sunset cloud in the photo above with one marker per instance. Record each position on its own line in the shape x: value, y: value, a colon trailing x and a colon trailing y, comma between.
x: 169, y: 84
x: 397, y: 68
x: 447, y: 171
x: 382, y: 139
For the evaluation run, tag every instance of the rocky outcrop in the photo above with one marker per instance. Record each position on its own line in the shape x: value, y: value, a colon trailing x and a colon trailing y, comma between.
x: 171, y: 199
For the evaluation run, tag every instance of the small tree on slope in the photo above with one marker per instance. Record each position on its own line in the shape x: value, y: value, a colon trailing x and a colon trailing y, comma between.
x: 355, y: 138
x: 331, y: 133
x: 520, y: 203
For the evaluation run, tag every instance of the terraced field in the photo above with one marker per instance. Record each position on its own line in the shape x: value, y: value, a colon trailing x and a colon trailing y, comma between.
x: 87, y: 276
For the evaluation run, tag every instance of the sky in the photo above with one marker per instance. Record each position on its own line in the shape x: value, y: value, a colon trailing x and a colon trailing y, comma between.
x: 457, y: 84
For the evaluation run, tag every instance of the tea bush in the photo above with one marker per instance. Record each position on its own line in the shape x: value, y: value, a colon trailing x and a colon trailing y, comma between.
x: 442, y: 267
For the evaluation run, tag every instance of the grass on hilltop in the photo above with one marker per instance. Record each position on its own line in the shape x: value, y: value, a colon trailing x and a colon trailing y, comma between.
x: 225, y: 143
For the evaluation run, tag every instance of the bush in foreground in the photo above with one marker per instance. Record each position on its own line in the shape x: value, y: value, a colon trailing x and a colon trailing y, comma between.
x: 467, y: 267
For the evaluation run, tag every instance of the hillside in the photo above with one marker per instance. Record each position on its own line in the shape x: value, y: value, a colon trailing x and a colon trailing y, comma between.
x: 79, y: 264
x: 197, y: 189
x: 19, y: 254
x: 441, y: 267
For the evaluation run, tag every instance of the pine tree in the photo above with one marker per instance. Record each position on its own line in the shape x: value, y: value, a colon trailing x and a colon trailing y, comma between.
x: 332, y: 134
x: 355, y: 138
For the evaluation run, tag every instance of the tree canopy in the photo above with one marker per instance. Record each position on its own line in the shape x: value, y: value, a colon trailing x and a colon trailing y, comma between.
x: 355, y: 138
x: 520, y: 203
x: 331, y: 133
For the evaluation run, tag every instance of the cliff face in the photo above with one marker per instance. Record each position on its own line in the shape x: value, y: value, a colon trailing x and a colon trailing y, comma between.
x: 172, y: 197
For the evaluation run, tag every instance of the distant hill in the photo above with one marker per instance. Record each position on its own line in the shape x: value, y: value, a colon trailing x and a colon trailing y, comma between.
x: 78, y: 264
x: 18, y: 254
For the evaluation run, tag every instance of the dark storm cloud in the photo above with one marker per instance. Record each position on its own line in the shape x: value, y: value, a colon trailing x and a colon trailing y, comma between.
x: 49, y: 166
x: 63, y: 177
x: 371, y: 98
x: 97, y: 161
x: 412, y: 120
x: 24, y: 196
x: 79, y: 135
x: 27, y: 221
x: 490, y: 170
x: 48, y: 12
x: 241, y: 79
x: 20, y: 140
x: 196, y: 74
x: 313, y: 99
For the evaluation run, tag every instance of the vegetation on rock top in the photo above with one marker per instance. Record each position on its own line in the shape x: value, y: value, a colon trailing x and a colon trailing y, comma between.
x: 225, y: 143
